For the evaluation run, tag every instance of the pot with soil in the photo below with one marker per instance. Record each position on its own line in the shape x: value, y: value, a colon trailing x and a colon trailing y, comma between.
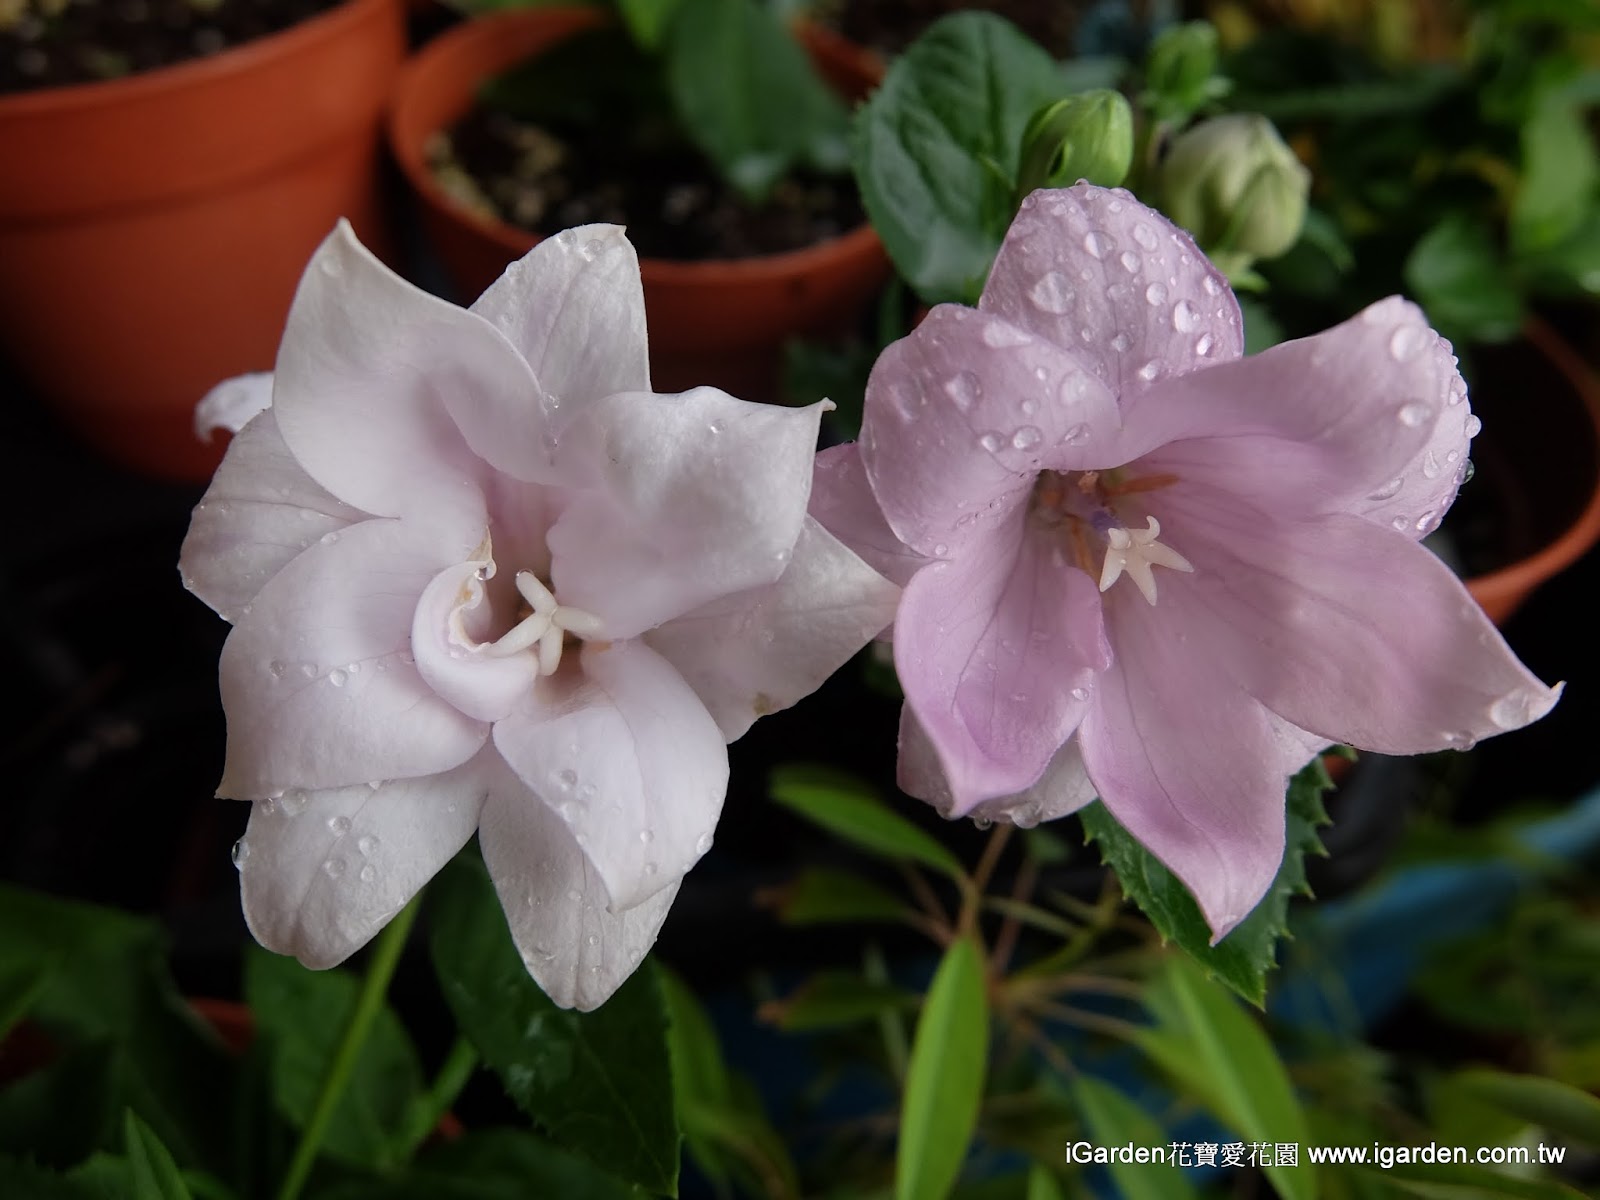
x: 724, y: 284
x: 172, y: 166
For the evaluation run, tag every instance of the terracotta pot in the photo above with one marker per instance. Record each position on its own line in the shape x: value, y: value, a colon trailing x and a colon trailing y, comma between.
x: 1540, y: 404
x: 716, y: 322
x: 153, y: 229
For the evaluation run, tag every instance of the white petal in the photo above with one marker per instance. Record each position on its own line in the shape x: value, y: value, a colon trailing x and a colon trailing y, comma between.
x: 759, y: 651
x: 630, y: 761
x: 576, y: 948
x: 260, y: 511
x: 482, y: 684
x: 322, y: 872
x: 232, y: 403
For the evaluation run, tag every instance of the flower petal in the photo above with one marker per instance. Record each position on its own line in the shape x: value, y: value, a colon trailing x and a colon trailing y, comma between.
x: 574, y: 307
x: 232, y: 404
x: 317, y: 677
x: 481, y: 684
x: 1352, y: 632
x: 321, y: 872
x: 960, y: 416
x: 842, y: 503
x: 576, y: 948
x: 1125, y: 290
x: 1415, y: 500
x: 630, y: 761
x: 260, y: 511
x: 998, y: 651
x: 1189, y: 763
x: 368, y: 375
x: 1063, y: 788
x: 759, y: 651
x: 1313, y: 426
x: 689, y: 498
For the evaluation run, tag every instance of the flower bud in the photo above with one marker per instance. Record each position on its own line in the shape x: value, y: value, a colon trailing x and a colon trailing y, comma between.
x: 1087, y: 136
x: 1180, y: 73
x: 1233, y: 183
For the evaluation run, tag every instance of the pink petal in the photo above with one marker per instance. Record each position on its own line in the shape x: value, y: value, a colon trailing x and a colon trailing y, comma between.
x: 317, y: 677
x: 1189, y: 763
x: 1352, y: 632
x: 321, y: 872
x: 759, y: 651
x: 842, y: 503
x: 960, y: 417
x: 368, y: 375
x: 576, y: 947
x: 629, y: 760
x: 1116, y: 283
x: 1415, y: 500
x: 688, y: 498
x: 1063, y: 788
x: 232, y: 404
x: 1318, y: 425
x: 479, y: 683
x: 997, y: 651
x: 260, y: 511
x: 574, y: 307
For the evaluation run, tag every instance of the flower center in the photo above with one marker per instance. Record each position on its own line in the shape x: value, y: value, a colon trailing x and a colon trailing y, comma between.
x: 1097, y: 517
x: 543, y: 623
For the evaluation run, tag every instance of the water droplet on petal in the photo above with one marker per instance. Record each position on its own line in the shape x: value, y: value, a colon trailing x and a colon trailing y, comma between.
x: 1129, y: 261
x: 330, y: 537
x: 1389, y: 490
x: 1076, y: 435
x: 339, y: 826
x: 338, y: 677
x: 940, y: 550
x: 1413, y: 414
x: 1052, y: 293
x: 1203, y: 345
x: 1149, y: 371
x: 650, y: 868
x: 1473, y: 426
x: 294, y: 803
x: 713, y: 427
x: 1098, y: 244
x: 704, y: 843
x: 309, y: 670
x: 1211, y: 286
x: 1511, y: 712
x: 1026, y: 438
x: 1156, y: 293
x: 1430, y: 466
x: 1400, y: 523
x: 568, y: 778
x: 1080, y: 693
x: 1184, y: 317
x: 1120, y: 343
x: 241, y: 851
x: 1145, y: 236
x: 276, y: 669
x: 368, y: 873
x: 999, y: 335
x: 982, y: 822
x: 1468, y: 470
x: 964, y: 390
x: 574, y: 895
x: 367, y: 845
x: 333, y: 868
x: 990, y: 442
x: 1427, y: 522
x: 646, y: 836
x: 1405, y: 341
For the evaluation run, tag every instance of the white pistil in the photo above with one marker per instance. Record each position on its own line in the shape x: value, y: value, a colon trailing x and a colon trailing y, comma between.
x: 1135, y: 551
x: 547, y: 625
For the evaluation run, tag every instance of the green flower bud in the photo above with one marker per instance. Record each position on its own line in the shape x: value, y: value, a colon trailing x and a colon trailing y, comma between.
x: 1233, y: 183
x: 1087, y: 136
x: 1179, y: 74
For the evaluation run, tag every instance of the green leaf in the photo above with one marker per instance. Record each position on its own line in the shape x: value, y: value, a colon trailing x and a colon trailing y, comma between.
x: 155, y: 1175
x: 1560, y: 171
x: 848, y: 808
x: 301, y: 1015
x: 1462, y: 1181
x: 945, y: 1079
x: 1261, y: 328
x: 599, y: 1083
x: 1456, y: 272
x: 830, y: 999
x: 1570, y: 267
x: 492, y: 1164
x: 1548, y: 1103
x: 1042, y: 1184
x: 936, y: 148
x: 647, y: 20
x: 20, y: 986
x: 21, y: 1177
x: 62, y: 1112
x: 824, y: 896
x: 1221, y: 1056
x: 748, y: 97
x: 1115, y: 1120
x: 1243, y: 958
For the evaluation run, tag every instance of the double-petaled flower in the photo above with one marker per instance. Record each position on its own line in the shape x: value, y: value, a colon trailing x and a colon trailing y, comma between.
x: 481, y: 578
x: 1142, y: 567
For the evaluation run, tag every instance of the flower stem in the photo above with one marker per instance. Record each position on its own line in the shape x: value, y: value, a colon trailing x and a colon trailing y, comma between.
x: 458, y: 1067
x: 369, y: 1002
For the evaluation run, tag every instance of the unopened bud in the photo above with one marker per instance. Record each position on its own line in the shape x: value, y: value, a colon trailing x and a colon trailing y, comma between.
x: 1087, y: 136
x: 1181, y: 73
x: 1233, y: 183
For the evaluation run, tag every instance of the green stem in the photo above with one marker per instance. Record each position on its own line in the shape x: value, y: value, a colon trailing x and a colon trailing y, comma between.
x: 458, y: 1067
x: 385, y: 957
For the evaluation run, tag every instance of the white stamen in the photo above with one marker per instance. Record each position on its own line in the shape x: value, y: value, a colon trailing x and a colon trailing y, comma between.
x: 519, y: 638
x: 1135, y: 551
x: 546, y: 627
x: 550, y: 651
x: 577, y: 622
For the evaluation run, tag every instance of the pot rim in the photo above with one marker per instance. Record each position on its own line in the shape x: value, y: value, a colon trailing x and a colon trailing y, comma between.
x: 259, y: 53
x: 1502, y: 590
x: 436, y: 59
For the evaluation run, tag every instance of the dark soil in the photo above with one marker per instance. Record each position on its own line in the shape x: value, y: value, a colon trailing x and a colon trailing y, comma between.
x: 889, y: 26
x: 50, y: 43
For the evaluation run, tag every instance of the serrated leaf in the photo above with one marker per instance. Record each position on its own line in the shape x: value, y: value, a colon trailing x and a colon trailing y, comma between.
x: 155, y: 1174
x: 747, y: 95
x: 830, y: 999
x: 1222, y: 1057
x: 847, y: 807
x: 599, y: 1083
x: 302, y: 1015
x: 823, y: 896
x: 1243, y: 958
x: 945, y: 1079
x: 1115, y: 1120
x: 936, y: 148
x: 1552, y: 1105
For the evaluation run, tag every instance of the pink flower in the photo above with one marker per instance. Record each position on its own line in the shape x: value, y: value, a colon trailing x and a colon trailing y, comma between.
x: 1142, y: 567
x: 482, y: 579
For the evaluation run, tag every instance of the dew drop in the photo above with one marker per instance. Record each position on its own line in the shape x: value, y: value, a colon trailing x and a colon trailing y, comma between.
x: 646, y: 836
x: 1400, y: 523
x: 368, y: 873
x: 1427, y: 522
x: 367, y: 845
x: 940, y: 550
x: 982, y: 822
x: 574, y: 895
x: 1413, y: 414
x: 1030, y: 406
x: 1027, y: 437
x: 568, y: 778
x: 650, y: 868
x: 1156, y: 293
x: 333, y: 868
x: 1468, y: 470
x: 1430, y: 466
x: 1098, y: 244
x: 240, y: 852
x: 990, y: 442
x: 1211, y: 286
x: 1120, y: 343
x: 1404, y: 342
x: 338, y: 677
x: 1080, y: 693
x: 964, y: 390
x: 1184, y: 317
x: 1076, y: 435
x: 1145, y: 236
x: 1129, y: 261
x: 294, y: 803
x: 276, y: 669
x: 1389, y: 490
x: 330, y: 537
x: 1511, y: 712
x: 1000, y: 335
x: 338, y: 826
x: 1149, y: 371
x: 309, y: 670
x: 1473, y: 426
x: 713, y: 427
x: 1052, y: 293
x: 704, y: 844
x: 1041, y: 375
x: 1203, y: 345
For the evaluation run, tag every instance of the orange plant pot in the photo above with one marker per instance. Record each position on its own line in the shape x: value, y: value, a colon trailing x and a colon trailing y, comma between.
x: 713, y: 322
x: 153, y: 229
